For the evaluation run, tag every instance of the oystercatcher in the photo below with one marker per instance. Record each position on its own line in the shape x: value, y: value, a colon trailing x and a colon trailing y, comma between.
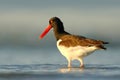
x: 72, y: 46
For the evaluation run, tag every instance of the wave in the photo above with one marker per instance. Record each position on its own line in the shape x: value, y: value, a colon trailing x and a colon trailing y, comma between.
x: 52, y: 67
x: 59, y: 70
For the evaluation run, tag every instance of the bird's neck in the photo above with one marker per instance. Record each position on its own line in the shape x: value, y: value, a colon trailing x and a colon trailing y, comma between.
x: 59, y: 31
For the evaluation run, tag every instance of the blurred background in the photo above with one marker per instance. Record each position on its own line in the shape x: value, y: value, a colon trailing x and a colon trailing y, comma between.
x: 22, y: 21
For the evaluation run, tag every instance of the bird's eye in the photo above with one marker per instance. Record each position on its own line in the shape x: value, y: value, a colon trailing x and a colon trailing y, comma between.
x: 50, y: 22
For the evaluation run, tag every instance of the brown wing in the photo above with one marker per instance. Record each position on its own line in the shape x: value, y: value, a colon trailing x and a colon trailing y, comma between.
x: 72, y: 40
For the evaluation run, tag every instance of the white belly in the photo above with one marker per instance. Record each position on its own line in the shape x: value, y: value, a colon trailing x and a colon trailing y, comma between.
x: 75, y: 52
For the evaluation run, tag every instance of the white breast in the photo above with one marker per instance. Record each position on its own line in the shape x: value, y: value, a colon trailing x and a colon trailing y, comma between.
x: 75, y: 52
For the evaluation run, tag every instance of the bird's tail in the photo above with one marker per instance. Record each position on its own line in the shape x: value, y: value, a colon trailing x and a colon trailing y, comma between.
x: 105, y: 42
x: 101, y: 47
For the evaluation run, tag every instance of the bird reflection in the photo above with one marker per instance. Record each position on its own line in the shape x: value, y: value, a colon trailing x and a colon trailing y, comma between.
x: 73, y: 69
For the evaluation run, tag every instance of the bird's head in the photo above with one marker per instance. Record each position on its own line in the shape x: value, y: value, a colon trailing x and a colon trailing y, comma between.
x: 55, y: 23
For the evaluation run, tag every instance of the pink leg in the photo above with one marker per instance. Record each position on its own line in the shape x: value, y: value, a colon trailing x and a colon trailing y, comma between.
x: 81, y: 63
x: 69, y: 63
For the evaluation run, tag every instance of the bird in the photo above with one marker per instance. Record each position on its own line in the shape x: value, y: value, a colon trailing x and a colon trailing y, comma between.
x: 72, y: 47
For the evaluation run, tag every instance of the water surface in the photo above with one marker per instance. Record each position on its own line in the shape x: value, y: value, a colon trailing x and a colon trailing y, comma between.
x: 41, y: 64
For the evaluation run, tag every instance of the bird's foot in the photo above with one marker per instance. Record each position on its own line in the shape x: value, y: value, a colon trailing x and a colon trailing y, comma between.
x: 69, y: 66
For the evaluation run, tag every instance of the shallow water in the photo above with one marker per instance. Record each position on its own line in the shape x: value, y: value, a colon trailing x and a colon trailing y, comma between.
x: 41, y: 64
x: 59, y: 72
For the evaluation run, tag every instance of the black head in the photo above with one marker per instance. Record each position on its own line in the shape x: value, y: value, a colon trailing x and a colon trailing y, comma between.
x: 55, y: 20
x: 57, y: 24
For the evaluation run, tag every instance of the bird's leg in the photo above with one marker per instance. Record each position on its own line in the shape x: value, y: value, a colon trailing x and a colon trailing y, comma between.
x: 81, y: 63
x: 69, y: 63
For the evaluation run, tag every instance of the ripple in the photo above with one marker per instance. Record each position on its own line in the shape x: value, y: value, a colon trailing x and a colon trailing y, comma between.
x: 60, y: 70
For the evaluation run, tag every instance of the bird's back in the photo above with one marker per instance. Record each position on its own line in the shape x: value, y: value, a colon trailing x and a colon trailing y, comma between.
x: 72, y: 41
